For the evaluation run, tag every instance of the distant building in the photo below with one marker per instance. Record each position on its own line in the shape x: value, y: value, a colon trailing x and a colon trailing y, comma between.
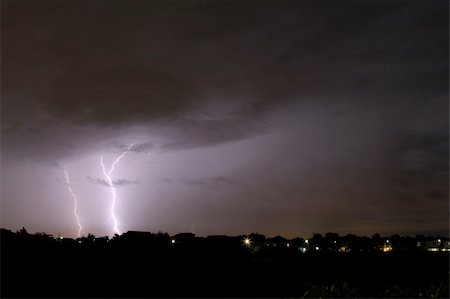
x: 183, y: 239
x: 434, y: 245
x: 344, y: 248
x: 387, y: 247
x: 445, y: 246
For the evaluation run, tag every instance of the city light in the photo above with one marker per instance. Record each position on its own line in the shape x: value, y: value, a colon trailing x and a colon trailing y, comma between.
x: 387, y: 247
x: 306, y: 241
x: 317, y: 247
x: 344, y: 249
x: 173, y: 241
x: 247, y: 242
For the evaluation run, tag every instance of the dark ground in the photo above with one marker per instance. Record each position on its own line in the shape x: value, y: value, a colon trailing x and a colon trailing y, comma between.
x: 212, y: 269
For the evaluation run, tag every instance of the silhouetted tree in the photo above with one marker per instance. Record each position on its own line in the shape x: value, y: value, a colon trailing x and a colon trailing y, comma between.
x: 22, y: 232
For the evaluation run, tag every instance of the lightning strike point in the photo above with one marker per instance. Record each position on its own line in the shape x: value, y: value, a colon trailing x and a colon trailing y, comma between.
x: 75, y: 202
x: 109, y: 180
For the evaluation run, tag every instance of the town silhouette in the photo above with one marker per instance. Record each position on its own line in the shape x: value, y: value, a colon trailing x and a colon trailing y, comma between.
x: 144, y: 264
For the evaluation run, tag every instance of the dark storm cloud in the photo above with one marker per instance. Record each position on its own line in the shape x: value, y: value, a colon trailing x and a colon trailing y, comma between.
x: 199, y: 133
x: 422, y: 167
x: 189, y: 133
x: 210, y: 183
x: 117, y: 95
x: 124, y: 182
x: 416, y: 188
x: 142, y: 147
x: 384, y: 50
x: 357, y: 90
x: 117, y: 182
x: 152, y: 61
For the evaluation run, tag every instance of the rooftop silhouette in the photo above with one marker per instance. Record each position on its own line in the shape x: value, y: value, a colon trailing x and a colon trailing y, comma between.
x: 145, y: 264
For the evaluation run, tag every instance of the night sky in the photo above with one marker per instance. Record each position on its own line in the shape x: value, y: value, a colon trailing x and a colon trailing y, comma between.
x: 279, y: 117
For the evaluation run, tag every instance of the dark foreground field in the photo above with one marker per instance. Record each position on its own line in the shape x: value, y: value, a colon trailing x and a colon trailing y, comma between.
x: 212, y: 269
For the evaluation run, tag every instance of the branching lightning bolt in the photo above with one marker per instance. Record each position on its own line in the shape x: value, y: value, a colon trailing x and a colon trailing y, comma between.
x: 75, y: 202
x: 107, y: 175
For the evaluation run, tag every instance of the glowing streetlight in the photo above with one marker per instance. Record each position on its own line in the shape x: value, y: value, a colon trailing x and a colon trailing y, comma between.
x: 247, y: 242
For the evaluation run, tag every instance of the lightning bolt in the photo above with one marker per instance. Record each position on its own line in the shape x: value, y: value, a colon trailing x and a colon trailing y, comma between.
x: 107, y: 175
x: 75, y: 202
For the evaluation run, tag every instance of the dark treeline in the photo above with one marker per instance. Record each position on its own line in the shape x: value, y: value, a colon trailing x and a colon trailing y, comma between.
x: 144, y: 264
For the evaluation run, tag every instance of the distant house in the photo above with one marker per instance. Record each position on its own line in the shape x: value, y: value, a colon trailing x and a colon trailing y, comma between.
x: 183, y: 238
x: 68, y: 242
x: 445, y: 246
x: 136, y: 234
x: 137, y: 237
x: 344, y: 248
x: 101, y: 240
x: 278, y: 241
x: 387, y: 247
x: 433, y: 245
